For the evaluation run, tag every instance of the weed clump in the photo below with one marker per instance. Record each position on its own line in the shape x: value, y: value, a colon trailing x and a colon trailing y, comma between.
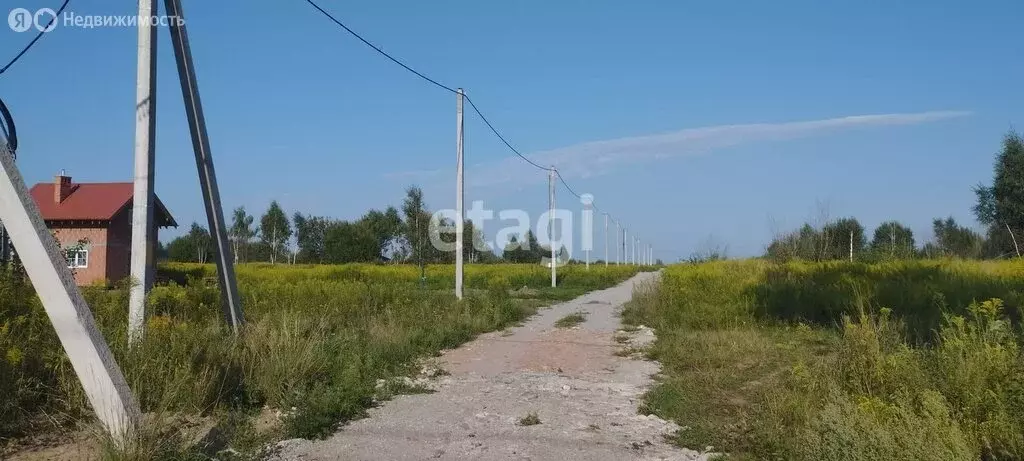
x: 531, y: 419
x: 571, y: 320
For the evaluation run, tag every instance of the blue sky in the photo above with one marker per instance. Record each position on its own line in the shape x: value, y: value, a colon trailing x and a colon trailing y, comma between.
x: 690, y: 121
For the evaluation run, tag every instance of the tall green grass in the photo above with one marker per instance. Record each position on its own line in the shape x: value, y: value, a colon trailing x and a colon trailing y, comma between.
x: 317, y: 341
x: 436, y: 276
x: 752, y: 380
x: 917, y: 292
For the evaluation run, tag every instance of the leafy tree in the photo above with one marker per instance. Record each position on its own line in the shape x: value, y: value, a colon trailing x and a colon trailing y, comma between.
x: 810, y: 244
x: 893, y: 240
x: 837, y: 237
x: 347, y: 242
x: 192, y: 247
x: 310, y: 236
x: 804, y: 244
x: 953, y: 240
x: 475, y: 245
x: 275, y: 230
x: 385, y: 227
x: 525, y: 250
x: 999, y: 243
x: 1002, y: 204
x: 416, y: 226
x: 241, y: 232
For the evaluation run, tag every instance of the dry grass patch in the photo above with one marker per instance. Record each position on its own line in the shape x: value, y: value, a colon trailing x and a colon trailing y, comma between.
x: 571, y: 320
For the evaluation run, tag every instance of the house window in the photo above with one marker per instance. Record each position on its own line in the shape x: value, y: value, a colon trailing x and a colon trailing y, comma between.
x: 78, y: 259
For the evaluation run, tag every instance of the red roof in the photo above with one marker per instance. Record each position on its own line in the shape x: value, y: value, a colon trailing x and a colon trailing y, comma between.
x: 92, y: 202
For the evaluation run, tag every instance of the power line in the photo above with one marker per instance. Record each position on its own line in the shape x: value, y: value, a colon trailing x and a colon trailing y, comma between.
x: 560, y: 178
x: 502, y: 138
x: 434, y: 82
x: 36, y: 39
x: 378, y: 49
x: 428, y: 79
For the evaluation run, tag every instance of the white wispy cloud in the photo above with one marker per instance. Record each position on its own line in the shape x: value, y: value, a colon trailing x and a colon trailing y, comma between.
x: 601, y: 157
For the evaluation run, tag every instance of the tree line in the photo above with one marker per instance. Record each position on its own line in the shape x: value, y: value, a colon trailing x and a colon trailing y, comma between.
x: 999, y: 207
x: 391, y: 235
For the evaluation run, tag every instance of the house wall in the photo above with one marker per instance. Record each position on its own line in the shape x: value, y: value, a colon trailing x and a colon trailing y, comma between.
x: 97, y: 246
x: 110, y: 246
x: 119, y: 246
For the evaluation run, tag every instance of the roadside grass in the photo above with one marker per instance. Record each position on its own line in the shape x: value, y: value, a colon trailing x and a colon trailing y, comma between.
x: 571, y: 320
x: 531, y: 419
x: 317, y: 341
x: 714, y: 379
x: 742, y: 375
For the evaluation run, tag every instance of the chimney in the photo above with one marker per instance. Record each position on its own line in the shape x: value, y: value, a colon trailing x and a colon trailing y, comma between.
x: 61, y: 187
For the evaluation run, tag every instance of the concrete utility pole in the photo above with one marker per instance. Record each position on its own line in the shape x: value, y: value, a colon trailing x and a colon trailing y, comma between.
x: 618, y: 246
x: 588, y: 228
x: 629, y: 250
x: 625, y: 254
x: 47, y: 268
x: 232, y: 305
x: 606, y: 240
x: 145, y: 158
x: 551, y: 223
x: 460, y: 207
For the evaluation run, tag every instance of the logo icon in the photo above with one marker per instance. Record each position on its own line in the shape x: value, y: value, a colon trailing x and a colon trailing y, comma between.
x: 20, y: 19
x: 48, y: 22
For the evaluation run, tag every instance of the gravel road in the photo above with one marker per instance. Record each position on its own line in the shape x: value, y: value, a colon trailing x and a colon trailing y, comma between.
x: 585, y: 396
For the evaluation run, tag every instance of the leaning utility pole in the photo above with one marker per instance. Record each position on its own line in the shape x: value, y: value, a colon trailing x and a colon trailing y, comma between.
x: 232, y: 305
x: 460, y: 208
x: 145, y: 158
x: 551, y: 223
x: 102, y: 381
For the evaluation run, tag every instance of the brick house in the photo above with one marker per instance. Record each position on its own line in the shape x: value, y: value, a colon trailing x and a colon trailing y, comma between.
x: 100, y: 216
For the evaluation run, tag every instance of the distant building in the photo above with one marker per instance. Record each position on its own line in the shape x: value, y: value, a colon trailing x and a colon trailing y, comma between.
x: 100, y: 216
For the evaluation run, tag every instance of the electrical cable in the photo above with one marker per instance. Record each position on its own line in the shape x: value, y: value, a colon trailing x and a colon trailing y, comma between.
x: 560, y: 178
x: 502, y: 138
x: 395, y: 60
x: 36, y: 39
x: 434, y: 82
x: 377, y: 48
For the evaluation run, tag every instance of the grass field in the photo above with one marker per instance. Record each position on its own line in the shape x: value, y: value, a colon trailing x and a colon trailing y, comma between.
x: 317, y: 342
x: 916, y: 360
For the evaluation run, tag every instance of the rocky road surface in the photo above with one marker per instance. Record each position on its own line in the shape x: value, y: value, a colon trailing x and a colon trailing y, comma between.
x: 584, y: 394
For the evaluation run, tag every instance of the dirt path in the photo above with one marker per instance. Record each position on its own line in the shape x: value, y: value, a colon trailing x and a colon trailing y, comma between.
x: 585, y: 396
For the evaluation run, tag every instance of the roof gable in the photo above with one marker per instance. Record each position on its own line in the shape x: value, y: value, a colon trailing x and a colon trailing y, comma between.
x: 92, y: 202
